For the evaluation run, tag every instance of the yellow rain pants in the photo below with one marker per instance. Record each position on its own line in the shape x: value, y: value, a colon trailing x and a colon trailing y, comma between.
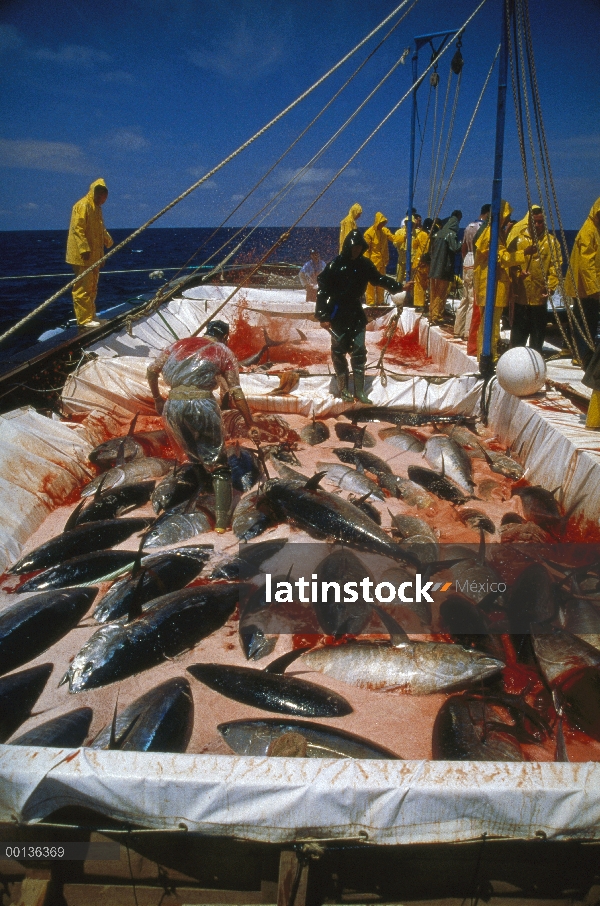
x: 87, y: 236
x: 593, y: 413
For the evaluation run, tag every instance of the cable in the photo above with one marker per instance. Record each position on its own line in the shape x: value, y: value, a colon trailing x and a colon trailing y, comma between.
x: 437, y: 156
x: 204, y: 178
x: 436, y: 206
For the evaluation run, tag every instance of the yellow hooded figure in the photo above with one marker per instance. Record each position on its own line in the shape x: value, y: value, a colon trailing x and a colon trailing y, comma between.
x: 85, y: 244
x: 349, y: 223
x: 585, y: 258
x: 506, y: 260
x: 377, y: 238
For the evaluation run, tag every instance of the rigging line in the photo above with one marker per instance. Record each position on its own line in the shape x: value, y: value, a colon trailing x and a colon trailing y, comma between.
x: 272, y: 203
x: 206, y: 176
x: 464, y: 141
x: 135, y: 270
x: 382, y: 123
x: 433, y: 141
x: 542, y: 137
x: 422, y: 137
x: 448, y: 141
x: 439, y: 148
x: 519, y: 26
x: 289, y: 148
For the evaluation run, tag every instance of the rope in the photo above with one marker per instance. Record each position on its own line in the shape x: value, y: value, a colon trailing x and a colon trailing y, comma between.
x: 437, y: 206
x: 382, y: 123
x: 282, y: 156
x: 135, y: 270
x: 204, y: 178
x: 461, y: 149
x: 423, y: 132
x: 433, y: 140
x: 437, y: 156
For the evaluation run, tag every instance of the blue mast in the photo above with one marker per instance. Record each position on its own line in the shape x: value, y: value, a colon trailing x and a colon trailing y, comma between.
x: 420, y: 41
x: 486, y: 361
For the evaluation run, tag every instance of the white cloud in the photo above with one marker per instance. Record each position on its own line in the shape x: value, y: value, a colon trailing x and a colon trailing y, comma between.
x: 126, y: 140
x: 30, y: 206
x: 244, y: 52
x: 10, y: 38
x: 72, y: 55
x: 57, y: 157
x: 197, y: 173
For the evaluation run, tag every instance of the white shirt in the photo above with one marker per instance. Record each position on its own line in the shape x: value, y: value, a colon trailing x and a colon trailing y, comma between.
x: 309, y: 273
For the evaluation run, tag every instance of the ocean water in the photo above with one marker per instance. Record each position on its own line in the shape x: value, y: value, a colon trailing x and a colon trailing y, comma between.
x: 30, y: 254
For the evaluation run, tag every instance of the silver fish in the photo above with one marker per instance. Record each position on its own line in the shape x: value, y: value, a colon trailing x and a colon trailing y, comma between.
x: 349, y: 479
x: 409, y: 491
x: 256, y: 737
x: 468, y: 729
x: 142, y: 469
x: 177, y: 525
x: 402, y: 440
x: 160, y: 720
x: 447, y: 457
x: 315, y: 433
x: 475, y: 519
x: 417, y: 535
x: 418, y: 668
x: 503, y: 464
x: 465, y: 438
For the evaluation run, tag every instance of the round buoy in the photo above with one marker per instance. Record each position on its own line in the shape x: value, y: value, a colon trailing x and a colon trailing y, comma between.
x: 521, y: 371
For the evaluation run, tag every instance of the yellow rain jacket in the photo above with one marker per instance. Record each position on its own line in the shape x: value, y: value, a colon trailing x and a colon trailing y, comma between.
x: 87, y: 232
x: 377, y: 238
x: 419, y: 244
x: 531, y: 290
x: 506, y: 260
x: 349, y: 223
x: 585, y: 259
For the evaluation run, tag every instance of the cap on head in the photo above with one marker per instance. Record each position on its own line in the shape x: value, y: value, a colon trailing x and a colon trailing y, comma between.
x: 218, y: 329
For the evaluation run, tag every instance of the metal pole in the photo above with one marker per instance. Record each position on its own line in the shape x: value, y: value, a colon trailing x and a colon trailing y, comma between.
x: 486, y: 360
x: 411, y: 169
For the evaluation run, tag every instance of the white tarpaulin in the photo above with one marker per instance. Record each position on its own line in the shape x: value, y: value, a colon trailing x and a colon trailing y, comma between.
x: 42, y: 462
x: 277, y: 800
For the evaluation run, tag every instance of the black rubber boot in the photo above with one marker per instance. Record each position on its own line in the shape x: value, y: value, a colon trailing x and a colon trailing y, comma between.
x: 223, y: 494
x: 359, y: 388
x: 343, y: 391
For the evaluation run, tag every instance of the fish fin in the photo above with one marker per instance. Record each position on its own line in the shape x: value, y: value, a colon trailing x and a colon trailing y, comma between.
x: 302, y: 335
x: 443, y: 472
x: 313, y: 416
x: 553, y: 492
x: 436, y: 566
x: 361, y: 438
x: 289, y: 573
x: 397, y: 634
x: 120, y: 461
x: 481, y: 551
x: 112, y: 742
x: 279, y: 664
x: 364, y: 499
x: 64, y: 680
x: 486, y: 454
x: 137, y: 563
x: 101, y: 485
x: 132, y: 424
x: 560, y: 753
x: 313, y: 483
x: 135, y: 605
x: 72, y: 520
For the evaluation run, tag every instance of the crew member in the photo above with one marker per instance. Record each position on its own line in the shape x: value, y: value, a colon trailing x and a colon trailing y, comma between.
x: 400, y: 243
x: 583, y: 278
x: 85, y: 244
x: 464, y: 312
x: 377, y: 238
x: 339, y: 309
x: 473, y: 331
x: 505, y: 261
x: 191, y: 368
x: 531, y: 287
x: 349, y: 223
x: 444, y: 247
x: 309, y: 273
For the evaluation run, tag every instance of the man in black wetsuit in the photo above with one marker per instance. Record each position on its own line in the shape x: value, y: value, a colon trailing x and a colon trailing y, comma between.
x: 339, y: 309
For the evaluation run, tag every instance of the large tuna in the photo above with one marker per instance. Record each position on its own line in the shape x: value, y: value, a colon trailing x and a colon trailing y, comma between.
x: 83, y: 570
x: 64, y: 732
x: 269, y: 735
x: 18, y: 694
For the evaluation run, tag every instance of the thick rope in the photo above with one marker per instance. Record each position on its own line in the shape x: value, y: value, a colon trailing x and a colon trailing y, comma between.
x: 436, y: 205
x: 423, y: 132
x: 206, y: 176
x: 439, y: 148
x: 433, y: 142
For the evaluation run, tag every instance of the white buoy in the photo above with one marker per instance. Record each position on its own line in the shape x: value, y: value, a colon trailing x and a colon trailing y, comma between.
x: 521, y: 371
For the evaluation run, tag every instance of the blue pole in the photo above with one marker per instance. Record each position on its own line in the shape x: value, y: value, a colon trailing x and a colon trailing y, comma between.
x: 486, y: 361
x: 411, y: 170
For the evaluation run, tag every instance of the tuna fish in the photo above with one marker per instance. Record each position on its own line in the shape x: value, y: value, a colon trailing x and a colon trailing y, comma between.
x: 84, y: 570
x: 468, y: 729
x: 159, y: 575
x: 336, y: 617
x: 173, y: 623
x: 287, y: 473
x: 176, y: 525
x: 133, y: 446
x: 417, y: 535
x: 362, y: 459
x: 245, y: 468
x: 248, y: 561
x: 247, y: 521
x: 68, y: 731
x: 465, y: 438
x: 402, y: 440
x: 352, y: 434
x: 160, y: 720
x: 405, y: 418
x: 447, y: 457
x: 30, y: 627
x: 325, y: 515
x: 436, y: 483
x: 18, y: 694
x: 367, y: 508
x: 111, y: 504
x: 531, y: 599
x: 256, y: 737
x: 409, y: 491
x: 85, y: 539
x: 179, y: 486
x: 349, y: 479
x: 539, y: 506
x: 271, y: 692
x: 315, y: 433
x: 476, y: 520
x: 503, y: 464
x: 254, y: 642
x: 418, y: 668
x: 143, y: 469
x: 472, y: 576
x: 582, y: 618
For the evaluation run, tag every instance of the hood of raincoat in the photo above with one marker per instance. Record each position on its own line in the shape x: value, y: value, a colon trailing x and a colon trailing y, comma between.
x: 96, y: 184
x: 355, y: 211
x: 486, y: 229
x: 380, y: 220
x: 451, y: 226
x: 595, y: 208
x: 353, y: 238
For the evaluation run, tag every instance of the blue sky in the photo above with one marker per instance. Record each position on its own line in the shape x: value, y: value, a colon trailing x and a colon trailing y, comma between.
x: 150, y: 94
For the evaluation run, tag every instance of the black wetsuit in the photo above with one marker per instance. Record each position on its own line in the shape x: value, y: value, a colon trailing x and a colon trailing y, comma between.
x: 339, y: 300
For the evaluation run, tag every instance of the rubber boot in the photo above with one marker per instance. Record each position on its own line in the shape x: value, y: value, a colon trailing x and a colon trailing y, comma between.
x: 223, y: 494
x: 342, y: 379
x: 359, y: 388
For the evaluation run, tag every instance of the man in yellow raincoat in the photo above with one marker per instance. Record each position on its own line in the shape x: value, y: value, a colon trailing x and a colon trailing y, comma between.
x: 583, y: 279
x: 349, y: 223
x: 419, y: 269
x: 85, y: 245
x: 537, y: 282
x: 377, y: 238
x: 506, y: 260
